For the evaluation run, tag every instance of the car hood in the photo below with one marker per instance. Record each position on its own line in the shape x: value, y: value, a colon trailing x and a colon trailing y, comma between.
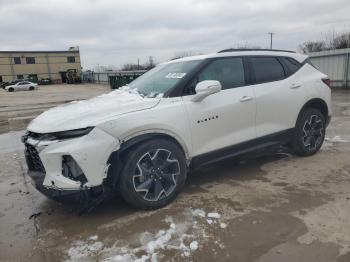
x: 81, y: 114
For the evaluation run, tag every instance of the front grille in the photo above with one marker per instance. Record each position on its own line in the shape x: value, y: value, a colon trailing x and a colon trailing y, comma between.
x: 33, y: 160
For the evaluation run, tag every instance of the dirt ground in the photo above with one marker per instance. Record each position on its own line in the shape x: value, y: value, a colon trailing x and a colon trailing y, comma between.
x: 274, y: 208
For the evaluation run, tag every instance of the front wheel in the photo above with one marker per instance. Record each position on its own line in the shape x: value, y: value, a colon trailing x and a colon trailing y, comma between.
x: 309, y: 132
x: 154, y: 173
x: 31, y: 88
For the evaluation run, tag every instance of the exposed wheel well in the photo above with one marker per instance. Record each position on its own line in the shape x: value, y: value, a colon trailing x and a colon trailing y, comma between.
x: 318, y: 104
x: 116, y: 159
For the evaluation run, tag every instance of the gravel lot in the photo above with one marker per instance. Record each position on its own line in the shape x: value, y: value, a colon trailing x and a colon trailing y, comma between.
x: 275, y: 208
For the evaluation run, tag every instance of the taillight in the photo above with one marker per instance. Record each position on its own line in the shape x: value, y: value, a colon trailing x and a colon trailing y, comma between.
x: 327, y: 81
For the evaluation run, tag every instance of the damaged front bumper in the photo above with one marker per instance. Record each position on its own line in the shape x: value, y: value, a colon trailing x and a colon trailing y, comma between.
x: 37, y: 181
x: 69, y: 166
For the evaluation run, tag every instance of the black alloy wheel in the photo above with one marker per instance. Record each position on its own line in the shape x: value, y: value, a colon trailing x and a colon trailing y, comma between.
x: 153, y: 173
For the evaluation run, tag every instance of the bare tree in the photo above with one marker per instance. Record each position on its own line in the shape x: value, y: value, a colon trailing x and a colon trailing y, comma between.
x: 131, y: 67
x: 182, y: 54
x: 150, y: 64
x: 313, y: 46
x: 146, y: 66
x: 246, y: 45
x: 330, y: 41
x: 342, y: 41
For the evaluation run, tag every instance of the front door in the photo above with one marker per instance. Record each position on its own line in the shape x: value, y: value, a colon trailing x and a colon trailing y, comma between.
x: 227, y: 117
x: 22, y: 86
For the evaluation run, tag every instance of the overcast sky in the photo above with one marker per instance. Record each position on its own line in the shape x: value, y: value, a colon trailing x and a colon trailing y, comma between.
x: 113, y: 32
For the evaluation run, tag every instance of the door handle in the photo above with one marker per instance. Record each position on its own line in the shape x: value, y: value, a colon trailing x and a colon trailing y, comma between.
x: 245, y: 98
x: 295, y: 85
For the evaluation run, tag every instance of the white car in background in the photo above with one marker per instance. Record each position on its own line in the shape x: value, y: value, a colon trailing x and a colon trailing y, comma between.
x: 143, y: 139
x: 20, y: 86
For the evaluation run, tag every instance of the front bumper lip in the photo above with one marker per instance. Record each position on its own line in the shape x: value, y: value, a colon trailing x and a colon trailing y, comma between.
x: 54, y: 193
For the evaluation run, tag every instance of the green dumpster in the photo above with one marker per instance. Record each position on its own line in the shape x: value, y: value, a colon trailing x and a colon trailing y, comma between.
x: 33, y: 78
x: 121, y: 78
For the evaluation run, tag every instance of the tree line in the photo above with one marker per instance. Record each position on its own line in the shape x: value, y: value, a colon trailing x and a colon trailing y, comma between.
x: 329, y: 41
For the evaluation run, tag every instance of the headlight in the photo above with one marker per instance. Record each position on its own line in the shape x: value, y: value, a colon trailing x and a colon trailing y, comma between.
x: 58, y: 135
x: 71, y: 133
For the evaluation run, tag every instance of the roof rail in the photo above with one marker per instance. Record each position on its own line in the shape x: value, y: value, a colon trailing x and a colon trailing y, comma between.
x: 255, y: 49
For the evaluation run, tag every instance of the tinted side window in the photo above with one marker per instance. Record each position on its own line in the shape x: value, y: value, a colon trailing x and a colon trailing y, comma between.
x: 267, y: 69
x: 291, y: 64
x: 228, y: 71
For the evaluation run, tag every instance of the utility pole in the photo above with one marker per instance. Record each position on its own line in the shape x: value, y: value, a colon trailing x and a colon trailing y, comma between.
x: 271, y: 34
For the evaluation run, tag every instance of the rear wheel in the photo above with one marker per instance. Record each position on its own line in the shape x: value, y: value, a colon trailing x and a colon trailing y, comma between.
x: 153, y: 175
x: 309, y: 132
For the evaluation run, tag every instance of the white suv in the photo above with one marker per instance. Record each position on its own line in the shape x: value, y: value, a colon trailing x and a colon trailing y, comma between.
x: 141, y: 140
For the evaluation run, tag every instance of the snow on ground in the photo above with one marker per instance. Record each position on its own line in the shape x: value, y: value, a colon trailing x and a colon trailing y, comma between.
x: 336, y: 139
x: 84, y: 249
x: 182, y: 236
x: 93, y: 237
x: 194, y: 245
x: 214, y: 215
x: 223, y: 225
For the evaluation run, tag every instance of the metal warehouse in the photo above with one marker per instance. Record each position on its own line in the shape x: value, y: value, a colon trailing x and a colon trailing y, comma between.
x: 334, y: 63
x: 37, y: 65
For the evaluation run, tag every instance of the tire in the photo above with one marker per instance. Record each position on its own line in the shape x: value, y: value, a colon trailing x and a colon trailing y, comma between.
x: 11, y: 89
x: 31, y: 88
x: 309, y: 132
x: 154, y: 173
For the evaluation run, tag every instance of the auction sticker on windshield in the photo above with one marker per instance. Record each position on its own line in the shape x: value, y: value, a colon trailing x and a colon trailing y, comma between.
x: 175, y: 75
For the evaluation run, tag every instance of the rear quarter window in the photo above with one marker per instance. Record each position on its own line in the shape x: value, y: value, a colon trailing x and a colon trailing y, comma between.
x: 308, y: 61
x: 291, y: 65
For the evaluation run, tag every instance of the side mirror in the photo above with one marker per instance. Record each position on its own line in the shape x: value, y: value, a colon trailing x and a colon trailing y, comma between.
x: 206, y: 88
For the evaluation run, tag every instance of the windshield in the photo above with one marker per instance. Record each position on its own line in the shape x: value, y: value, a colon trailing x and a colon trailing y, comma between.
x: 162, y: 78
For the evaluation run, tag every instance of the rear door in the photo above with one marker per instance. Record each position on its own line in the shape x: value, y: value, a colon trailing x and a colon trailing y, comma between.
x: 227, y: 117
x: 279, y: 93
